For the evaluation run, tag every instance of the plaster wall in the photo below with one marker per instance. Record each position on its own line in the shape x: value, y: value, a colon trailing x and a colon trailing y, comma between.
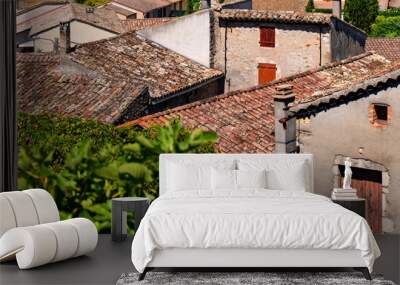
x: 297, y: 49
x: 188, y: 36
x: 80, y: 33
x: 343, y: 130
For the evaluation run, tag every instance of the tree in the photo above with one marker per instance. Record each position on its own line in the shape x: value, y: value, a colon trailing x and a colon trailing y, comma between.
x: 310, y: 6
x: 361, y: 13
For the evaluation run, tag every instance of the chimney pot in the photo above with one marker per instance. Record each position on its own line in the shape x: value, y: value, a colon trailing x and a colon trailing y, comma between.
x: 285, y: 125
x: 65, y: 38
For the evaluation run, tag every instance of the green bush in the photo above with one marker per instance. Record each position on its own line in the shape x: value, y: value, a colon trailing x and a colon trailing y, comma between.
x: 84, y: 164
x: 361, y: 13
x: 390, y: 12
x: 310, y: 6
x: 386, y: 27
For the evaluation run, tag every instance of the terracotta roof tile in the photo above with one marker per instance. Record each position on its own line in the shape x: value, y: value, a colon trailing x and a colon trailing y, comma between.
x: 387, y: 47
x: 281, y: 5
x: 133, y: 58
x: 100, y: 79
x: 138, y: 24
x: 274, y: 16
x: 244, y: 119
x: 45, y: 85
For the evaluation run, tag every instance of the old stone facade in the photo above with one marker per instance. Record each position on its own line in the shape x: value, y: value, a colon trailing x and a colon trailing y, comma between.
x: 350, y: 131
x: 298, y: 47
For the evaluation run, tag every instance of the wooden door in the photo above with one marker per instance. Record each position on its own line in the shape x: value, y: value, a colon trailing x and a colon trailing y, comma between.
x: 266, y: 72
x: 371, y: 191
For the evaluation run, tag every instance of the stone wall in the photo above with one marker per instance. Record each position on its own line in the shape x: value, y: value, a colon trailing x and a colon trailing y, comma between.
x: 346, y: 40
x: 297, y: 48
x: 341, y: 132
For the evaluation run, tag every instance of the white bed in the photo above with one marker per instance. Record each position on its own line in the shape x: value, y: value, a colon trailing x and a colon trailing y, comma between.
x: 269, y: 226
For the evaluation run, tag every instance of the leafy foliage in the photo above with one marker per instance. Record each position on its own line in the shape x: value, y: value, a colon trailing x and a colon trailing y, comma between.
x: 386, y: 27
x: 84, y: 164
x: 192, y: 6
x: 390, y: 12
x: 310, y: 6
x: 361, y: 13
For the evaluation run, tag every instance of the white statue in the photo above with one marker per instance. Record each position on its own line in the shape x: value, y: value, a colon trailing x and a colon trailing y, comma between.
x: 347, y: 174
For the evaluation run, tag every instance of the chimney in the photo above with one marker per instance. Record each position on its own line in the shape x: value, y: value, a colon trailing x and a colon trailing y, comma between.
x: 285, y: 127
x: 337, y: 8
x: 65, y: 38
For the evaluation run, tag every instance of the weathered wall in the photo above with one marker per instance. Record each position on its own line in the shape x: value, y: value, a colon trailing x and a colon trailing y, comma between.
x: 204, y: 91
x: 188, y: 36
x: 280, y: 5
x: 80, y: 33
x: 343, y: 130
x: 297, y: 48
x: 346, y: 40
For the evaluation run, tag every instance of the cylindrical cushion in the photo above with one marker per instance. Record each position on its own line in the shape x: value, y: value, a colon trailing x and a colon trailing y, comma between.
x: 67, y: 240
x: 23, y: 208
x: 41, y: 244
x: 7, y: 218
x: 87, y: 234
x: 33, y: 246
x: 45, y: 206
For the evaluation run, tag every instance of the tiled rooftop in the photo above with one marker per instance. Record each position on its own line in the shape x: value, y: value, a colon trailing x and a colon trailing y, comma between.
x: 138, y: 24
x: 46, y: 86
x: 387, y: 47
x: 274, y: 16
x: 129, y: 57
x: 103, y: 18
x: 244, y: 119
x: 117, y: 9
x: 100, y: 79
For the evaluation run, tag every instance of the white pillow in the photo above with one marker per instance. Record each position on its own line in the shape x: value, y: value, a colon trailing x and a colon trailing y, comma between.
x: 223, y: 179
x: 251, y: 178
x: 181, y: 177
x: 282, y: 174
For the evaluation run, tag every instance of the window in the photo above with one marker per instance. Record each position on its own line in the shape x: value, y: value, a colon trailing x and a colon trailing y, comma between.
x: 266, y: 72
x: 267, y: 36
x: 379, y: 115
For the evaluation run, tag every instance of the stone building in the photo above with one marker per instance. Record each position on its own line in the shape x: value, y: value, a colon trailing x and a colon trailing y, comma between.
x: 347, y: 108
x: 253, y: 47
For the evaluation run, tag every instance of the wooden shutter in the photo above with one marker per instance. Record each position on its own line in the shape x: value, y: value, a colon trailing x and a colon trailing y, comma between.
x: 266, y: 72
x: 267, y: 36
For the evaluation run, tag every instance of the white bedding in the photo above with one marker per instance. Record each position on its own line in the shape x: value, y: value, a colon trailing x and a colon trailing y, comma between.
x: 252, y: 218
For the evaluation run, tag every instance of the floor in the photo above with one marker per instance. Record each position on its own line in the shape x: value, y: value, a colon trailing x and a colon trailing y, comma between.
x: 110, y: 260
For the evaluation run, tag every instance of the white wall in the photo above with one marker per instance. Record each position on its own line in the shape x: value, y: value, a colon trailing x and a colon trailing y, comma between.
x: 188, y: 36
x: 80, y: 33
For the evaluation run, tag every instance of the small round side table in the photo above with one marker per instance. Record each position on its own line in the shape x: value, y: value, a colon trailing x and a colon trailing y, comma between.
x: 120, y: 208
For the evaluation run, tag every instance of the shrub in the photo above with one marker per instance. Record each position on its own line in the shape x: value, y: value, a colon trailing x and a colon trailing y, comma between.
x: 390, y: 12
x: 361, y: 13
x: 84, y: 164
x: 386, y: 27
x: 310, y: 6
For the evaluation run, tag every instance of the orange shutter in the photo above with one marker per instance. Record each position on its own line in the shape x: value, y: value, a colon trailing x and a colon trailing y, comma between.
x: 266, y: 72
x: 267, y: 36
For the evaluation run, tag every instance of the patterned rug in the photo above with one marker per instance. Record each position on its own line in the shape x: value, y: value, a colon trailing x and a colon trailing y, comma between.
x: 244, y: 278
